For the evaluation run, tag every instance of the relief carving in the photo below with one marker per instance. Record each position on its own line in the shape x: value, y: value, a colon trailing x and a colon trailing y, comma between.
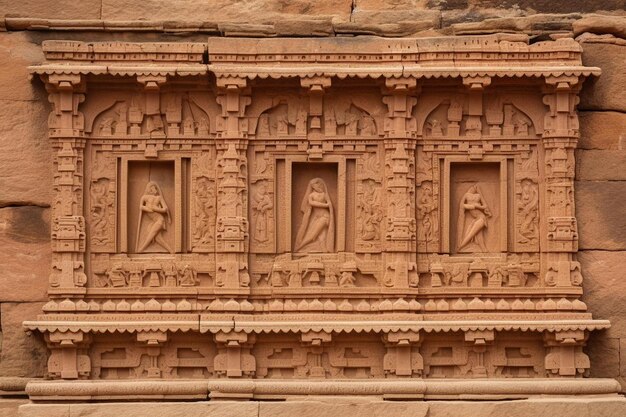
x: 301, y: 211
x: 154, y: 218
x: 317, y: 228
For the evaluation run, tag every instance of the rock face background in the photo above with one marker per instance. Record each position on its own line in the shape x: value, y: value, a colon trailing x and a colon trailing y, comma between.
x: 25, y: 158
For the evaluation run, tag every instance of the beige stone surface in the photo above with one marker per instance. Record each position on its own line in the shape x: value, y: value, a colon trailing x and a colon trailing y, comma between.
x: 600, y: 206
x: 602, y: 130
x: 23, y: 353
x: 224, y: 10
x: 9, y: 406
x: 605, y: 289
x: 600, y: 165
x: 26, y: 253
x: 607, y: 92
x: 47, y: 410
x: 167, y: 409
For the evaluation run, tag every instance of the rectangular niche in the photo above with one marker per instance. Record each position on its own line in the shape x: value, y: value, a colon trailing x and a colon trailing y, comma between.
x: 151, y: 207
x: 475, y: 206
x: 317, y: 229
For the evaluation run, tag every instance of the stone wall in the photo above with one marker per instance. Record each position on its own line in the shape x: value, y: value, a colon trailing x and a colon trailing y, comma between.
x: 25, y: 157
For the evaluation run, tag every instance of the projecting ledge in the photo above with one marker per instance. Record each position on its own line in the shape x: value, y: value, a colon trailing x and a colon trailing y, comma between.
x: 399, y: 389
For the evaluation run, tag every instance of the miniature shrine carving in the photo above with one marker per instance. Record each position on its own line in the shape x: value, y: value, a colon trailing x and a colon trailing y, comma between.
x: 400, y: 208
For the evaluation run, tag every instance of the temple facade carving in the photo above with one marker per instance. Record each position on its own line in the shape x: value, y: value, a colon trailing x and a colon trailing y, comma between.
x: 308, y: 208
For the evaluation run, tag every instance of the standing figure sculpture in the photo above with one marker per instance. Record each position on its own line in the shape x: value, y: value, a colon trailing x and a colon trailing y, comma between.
x: 472, y: 222
x: 261, y: 205
x: 153, y: 207
x: 317, y: 230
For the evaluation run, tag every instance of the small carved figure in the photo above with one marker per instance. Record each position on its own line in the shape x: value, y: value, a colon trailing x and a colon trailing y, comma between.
x: 188, y: 277
x: 436, y: 129
x: 261, y: 205
x: 264, y: 125
x: 317, y: 230
x: 106, y: 127
x: 426, y: 208
x: 100, y: 202
x: 203, y: 126
x: 204, y: 200
x: 472, y: 222
x: 576, y: 277
x: 189, y: 126
x: 116, y: 277
x: 520, y: 125
x: 301, y: 121
x: 371, y: 212
x: 282, y: 123
x: 347, y: 279
x: 171, y: 275
x: 154, y: 209
x: 551, y: 276
x: 368, y: 127
x: 352, y: 123
x: 528, y: 204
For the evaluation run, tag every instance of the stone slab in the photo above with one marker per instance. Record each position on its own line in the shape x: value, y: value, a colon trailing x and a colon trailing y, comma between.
x: 25, y: 154
x: 23, y: 354
x: 560, y: 407
x: 601, y: 210
x: 602, y: 130
x: 604, y: 353
x: 256, y: 11
x: 9, y: 406
x: 607, y: 92
x: 601, y: 165
x: 62, y: 9
x: 605, y: 289
x: 26, y: 253
x: 17, y: 52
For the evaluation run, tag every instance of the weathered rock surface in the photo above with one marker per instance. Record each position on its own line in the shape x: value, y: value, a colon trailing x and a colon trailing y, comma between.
x: 607, y: 92
x: 601, y: 165
x: 605, y: 289
x: 224, y: 10
x: 615, y: 25
x: 23, y: 354
x: 601, y: 212
x: 604, y: 355
x: 9, y: 406
x: 602, y: 130
x: 62, y: 9
x: 26, y: 253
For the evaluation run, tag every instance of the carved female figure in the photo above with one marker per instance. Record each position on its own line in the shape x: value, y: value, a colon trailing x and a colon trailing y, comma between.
x: 157, y: 214
x: 317, y: 230
x: 528, y: 203
x: 261, y: 205
x: 472, y: 222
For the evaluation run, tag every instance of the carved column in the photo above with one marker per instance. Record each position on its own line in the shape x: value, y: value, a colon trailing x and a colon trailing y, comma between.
x: 402, y: 357
x: 399, y: 184
x: 315, y: 87
x: 234, y: 358
x: 232, y: 193
x: 560, y: 237
x: 565, y: 356
x: 69, y: 357
x: 66, y: 131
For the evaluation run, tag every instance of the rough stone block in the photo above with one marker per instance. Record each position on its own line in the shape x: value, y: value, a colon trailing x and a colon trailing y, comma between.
x: 23, y: 354
x: 257, y: 11
x: 18, y: 52
x: 342, y: 407
x: 602, y: 130
x: 62, y: 9
x: 607, y: 92
x: 601, y: 208
x: 44, y: 410
x: 26, y: 253
x: 596, y: 165
x: 192, y: 409
x: 604, y: 355
x: 9, y: 406
x: 25, y: 154
x: 605, y: 290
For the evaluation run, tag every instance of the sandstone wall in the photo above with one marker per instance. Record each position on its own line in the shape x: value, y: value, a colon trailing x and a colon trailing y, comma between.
x: 25, y: 158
